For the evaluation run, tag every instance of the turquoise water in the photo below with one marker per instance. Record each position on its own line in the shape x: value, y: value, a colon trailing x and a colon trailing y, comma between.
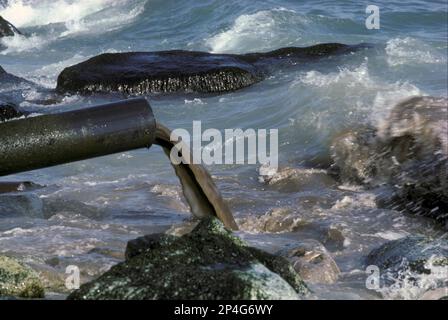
x: 137, y: 192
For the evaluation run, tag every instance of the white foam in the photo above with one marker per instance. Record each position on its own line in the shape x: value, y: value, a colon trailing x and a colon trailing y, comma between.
x: 194, y: 101
x: 266, y: 29
x: 25, y: 13
x: 409, y: 285
x: 46, y: 76
x: 111, y: 19
x: 20, y: 43
x: 92, y: 17
x: 363, y: 92
x: 411, y: 51
x: 345, y: 77
x: 391, y: 235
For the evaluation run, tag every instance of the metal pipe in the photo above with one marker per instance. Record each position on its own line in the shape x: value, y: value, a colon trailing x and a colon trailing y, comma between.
x: 53, y: 139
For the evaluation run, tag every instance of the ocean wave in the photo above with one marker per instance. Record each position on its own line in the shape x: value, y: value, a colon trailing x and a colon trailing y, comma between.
x: 357, y: 90
x: 21, y: 43
x: 262, y: 30
x: 27, y: 13
x: 83, y: 17
x: 408, y: 50
x: 46, y: 76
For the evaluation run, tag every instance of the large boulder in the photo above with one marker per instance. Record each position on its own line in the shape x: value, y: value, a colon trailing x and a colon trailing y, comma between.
x: 208, y: 263
x: 7, y: 29
x: 182, y: 71
x: 415, y: 263
x: 409, y: 153
x: 18, y: 280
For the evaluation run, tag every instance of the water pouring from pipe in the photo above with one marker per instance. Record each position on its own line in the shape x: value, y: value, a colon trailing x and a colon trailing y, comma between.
x: 49, y: 140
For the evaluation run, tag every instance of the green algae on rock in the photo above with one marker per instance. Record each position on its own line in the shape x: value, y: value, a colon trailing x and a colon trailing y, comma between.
x: 208, y: 263
x: 17, y: 280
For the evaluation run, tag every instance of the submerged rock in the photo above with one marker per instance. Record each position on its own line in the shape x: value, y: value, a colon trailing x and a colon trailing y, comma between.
x: 25, y: 204
x: 410, y: 153
x: 17, y: 280
x: 277, y: 220
x: 413, y: 264
x: 20, y: 186
x: 182, y: 71
x: 313, y: 262
x: 54, y: 206
x: 7, y: 29
x: 416, y: 250
x: 208, y: 263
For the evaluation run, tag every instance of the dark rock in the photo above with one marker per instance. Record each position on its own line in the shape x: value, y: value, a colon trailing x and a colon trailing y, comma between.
x: 208, y: 263
x: 21, y: 186
x: 410, y: 153
x: 416, y: 250
x: 146, y: 243
x: 166, y: 71
x: 413, y: 261
x: 18, y: 280
x: 10, y: 111
x: 7, y: 29
x: 182, y: 71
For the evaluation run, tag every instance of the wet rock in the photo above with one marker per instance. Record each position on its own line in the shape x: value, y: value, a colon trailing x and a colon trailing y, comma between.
x: 10, y: 111
x: 147, y: 243
x: 409, y: 152
x: 182, y: 71
x: 416, y: 250
x: 353, y: 155
x: 18, y: 186
x: 7, y: 29
x: 54, y: 206
x: 17, y: 280
x: 333, y: 238
x: 166, y: 71
x: 208, y: 263
x: 182, y: 228
x: 415, y: 263
x: 52, y: 280
x: 313, y: 262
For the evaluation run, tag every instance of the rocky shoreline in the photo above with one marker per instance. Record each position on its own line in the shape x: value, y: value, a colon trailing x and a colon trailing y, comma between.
x: 210, y: 262
x: 407, y: 156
